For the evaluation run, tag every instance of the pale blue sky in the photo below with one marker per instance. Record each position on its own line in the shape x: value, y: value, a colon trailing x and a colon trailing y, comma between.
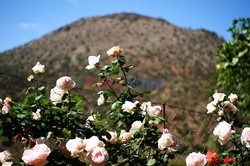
x: 24, y: 20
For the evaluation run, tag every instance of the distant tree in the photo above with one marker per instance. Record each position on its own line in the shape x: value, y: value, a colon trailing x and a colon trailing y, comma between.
x: 234, y: 64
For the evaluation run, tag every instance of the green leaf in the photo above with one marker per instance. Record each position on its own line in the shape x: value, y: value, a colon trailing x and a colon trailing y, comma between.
x: 116, y: 105
x: 42, y: 89
x: 151, y: 162
x: 21, y: 116
x: 115, y: 70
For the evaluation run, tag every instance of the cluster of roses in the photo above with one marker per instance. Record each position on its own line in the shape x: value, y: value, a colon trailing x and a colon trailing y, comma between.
x: 223, y: 130
x: 91, y: 150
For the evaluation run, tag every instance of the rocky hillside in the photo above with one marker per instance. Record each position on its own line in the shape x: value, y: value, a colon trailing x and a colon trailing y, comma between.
x: 183, y: 58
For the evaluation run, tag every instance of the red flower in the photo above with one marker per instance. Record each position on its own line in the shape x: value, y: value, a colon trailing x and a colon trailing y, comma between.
x: 212, y: 158
x: 228, y: 160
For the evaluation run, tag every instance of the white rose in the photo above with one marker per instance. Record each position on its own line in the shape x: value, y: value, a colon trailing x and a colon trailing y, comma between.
x: 125, y: 136
x: 153, y: 111
x: 165, y: 141
x: 93, y: 61
x: 113, y: 138
x: 210, y: 108
x: 30, y: 77
x: 245, y: 137
x: 114, y: 51
x: 129, y: 106
x: 98, y: 156
x: 101, y: 100
x: 218, y: 96
x: 196, y: 159
x: 65, y: 83
x: 36, y: 115
x: 233, y: 97
x: 38, y: 68
x: 92, y: 143
x: 76, y: 146
x: 4, y: 156
x: 223, y: 131
x: 56, y: 95
x: 136, y: 125
x: 91, y: 118
x: 145, y: 105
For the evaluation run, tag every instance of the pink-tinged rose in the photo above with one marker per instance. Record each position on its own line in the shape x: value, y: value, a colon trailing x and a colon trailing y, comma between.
x: 6, y: 108
x: 245, y: 137
x: 125, y: 136
x: 98, y: 156
x: 65, y: 83
x: 129, y: 106
x: 196, y: 159
x: 233, y: 97
x: 56, y: 95
x: 223, y: 131
x: 113, y: 138
x: 37, y: 155
x: 136, y: 125
x: 76, y: 146
x: 93, y: 62
x: 169, y: 141
x: 114, y: 51
x: 38, y: 68
x: 92, y: 143
x: 210, y: 108
x: 154, y: 111
x: 218, y: 97
x: 5, y: 156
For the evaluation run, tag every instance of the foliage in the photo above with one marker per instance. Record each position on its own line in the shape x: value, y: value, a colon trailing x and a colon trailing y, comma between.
x: 64, y: 127
x: 230, y: 130
x: 234, y: 64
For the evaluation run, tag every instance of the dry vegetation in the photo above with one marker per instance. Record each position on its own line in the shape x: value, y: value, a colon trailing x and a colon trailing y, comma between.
x: 184, y: 58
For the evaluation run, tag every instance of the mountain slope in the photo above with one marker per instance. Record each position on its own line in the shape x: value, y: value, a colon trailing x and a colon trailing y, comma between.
x: 183, y: 58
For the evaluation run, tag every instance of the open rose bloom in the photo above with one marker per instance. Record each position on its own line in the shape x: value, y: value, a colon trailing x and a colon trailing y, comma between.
x: 196, y: 159
x: 129, y: 106
x: 245, y: 137
x: 98, y: 156
x: 114, y: 51
x: 168, y: 141
x: 223, y: 131
x: 93, y: 62
x: 36, y: 155
x: 65, y: 83
x: 212, y: 157
x: 38, y: 68
x: 75, y: 146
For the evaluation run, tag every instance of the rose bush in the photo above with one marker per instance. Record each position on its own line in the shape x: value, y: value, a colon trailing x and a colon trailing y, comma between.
x: 229, y: 130
x: 57, y: 130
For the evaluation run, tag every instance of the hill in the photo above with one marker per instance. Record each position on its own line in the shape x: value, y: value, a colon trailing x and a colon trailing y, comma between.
x: 183, y: 58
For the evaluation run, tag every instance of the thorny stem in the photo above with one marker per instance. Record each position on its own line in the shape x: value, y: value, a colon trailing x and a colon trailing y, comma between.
x: 125, y: 76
